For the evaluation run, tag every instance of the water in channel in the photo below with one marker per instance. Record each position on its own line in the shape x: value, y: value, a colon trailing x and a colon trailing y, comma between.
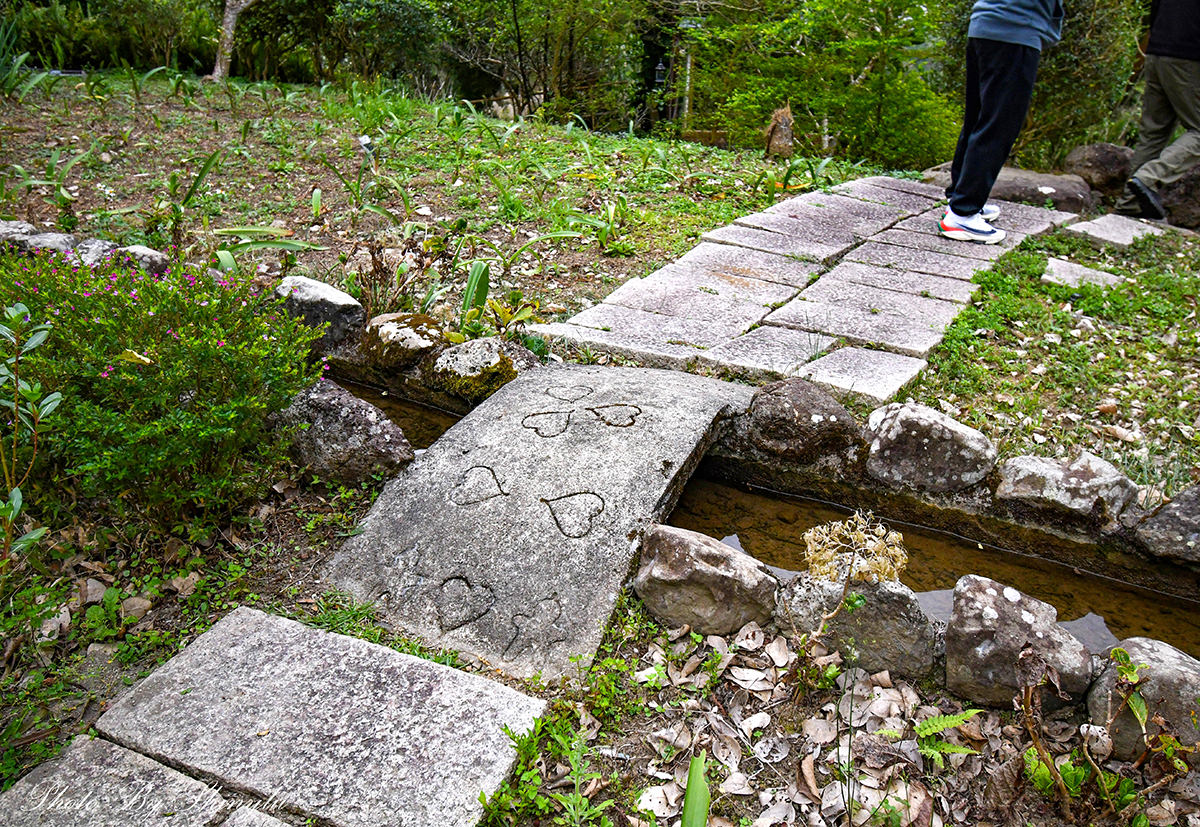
x: 1097, y: 610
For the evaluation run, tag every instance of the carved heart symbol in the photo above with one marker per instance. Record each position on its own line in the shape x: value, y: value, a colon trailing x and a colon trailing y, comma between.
x: 478, y: 484
x: 458, y: 603
x: 569, y: 393
x: 618, y: 416
x: 548, y: 423
x: 573, y: 513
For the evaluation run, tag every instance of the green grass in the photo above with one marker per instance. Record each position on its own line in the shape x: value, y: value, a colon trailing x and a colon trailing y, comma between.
x: 1046, y: 369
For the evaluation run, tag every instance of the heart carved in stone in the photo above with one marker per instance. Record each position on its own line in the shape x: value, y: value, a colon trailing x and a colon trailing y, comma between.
x: 458, y: 603
x: 479, y: 483
x: 619, y: 415
x: 574, y: 513
x: 569, y: 393
x: 547, y: 424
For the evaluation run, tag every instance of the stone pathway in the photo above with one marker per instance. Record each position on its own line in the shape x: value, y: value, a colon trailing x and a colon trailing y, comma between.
x: 270, y: 713
x: 765, y: 296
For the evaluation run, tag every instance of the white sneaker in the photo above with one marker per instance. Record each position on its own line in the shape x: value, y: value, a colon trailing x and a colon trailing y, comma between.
x: 990, y: 212
x: 970, y: 228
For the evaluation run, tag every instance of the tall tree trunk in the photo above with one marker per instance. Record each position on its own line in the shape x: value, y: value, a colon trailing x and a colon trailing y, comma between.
x: 526, y: 90
x: 233, y: 9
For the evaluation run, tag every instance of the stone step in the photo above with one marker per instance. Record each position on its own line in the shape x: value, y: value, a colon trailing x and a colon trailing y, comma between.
x: 329, y: 727
x: 511, y: 537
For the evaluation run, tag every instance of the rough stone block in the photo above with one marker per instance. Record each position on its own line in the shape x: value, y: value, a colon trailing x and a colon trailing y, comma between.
x: 1087, y: 487
x: 331, y: 727
x: 918, y: 447
x: 767, y: 352
x: 907, y: 282
x: 914, y: 260
x: 893, y: 331
x: 1117, y: 230
x: 747, y: 263
x: 318, y: 303
x: 872, y: 375
x: 1070, y: 274
x: 100, y: 784
x: 1173, y: 531
x: 249, y: 817
x: 511, y: 537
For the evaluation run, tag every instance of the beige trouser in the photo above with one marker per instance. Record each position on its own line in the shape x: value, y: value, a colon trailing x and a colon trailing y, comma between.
x: 1172, y: 99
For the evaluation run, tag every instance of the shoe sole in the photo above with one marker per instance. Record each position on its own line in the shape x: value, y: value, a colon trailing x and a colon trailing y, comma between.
x: 1148, y: 200
x: 966, y: 235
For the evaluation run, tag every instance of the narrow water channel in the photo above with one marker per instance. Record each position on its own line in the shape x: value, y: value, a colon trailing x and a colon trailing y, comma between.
x: 1099, y: 611
x: 420, y: 423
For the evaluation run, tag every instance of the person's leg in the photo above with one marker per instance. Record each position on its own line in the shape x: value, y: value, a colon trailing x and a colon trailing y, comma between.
x: 1154, y: 130
x: 1006, y: 75
x: 970, y: 115
x: 1180, y: 83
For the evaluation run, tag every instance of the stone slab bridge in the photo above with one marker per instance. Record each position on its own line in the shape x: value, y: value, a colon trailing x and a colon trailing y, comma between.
x: 768, y: 295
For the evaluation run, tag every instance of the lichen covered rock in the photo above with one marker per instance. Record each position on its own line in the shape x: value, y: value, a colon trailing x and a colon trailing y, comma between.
x: 889, y: 631
x: 394, y: 341
x: 478, y: 368
x: 688, y: 578
x: 342, y: 438
x: 1173, y: 531
x: 989, y: 626
x: 317, y: 304
x: 1170, y: 685
x: 798, y: 422
x: 917, y: 447
x: 1087, y: 487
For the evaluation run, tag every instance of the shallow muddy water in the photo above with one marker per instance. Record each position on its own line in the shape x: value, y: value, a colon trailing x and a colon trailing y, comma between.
x: 1097, y: 610
x: 421, y: 424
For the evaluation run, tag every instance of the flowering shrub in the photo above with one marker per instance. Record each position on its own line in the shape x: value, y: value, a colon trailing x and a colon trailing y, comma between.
x: 168, y: 382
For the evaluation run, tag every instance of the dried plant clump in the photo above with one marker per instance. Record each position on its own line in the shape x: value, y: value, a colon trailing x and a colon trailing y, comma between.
x: 861, y: 547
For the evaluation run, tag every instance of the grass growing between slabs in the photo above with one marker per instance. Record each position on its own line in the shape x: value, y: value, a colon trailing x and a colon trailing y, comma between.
x: 1049, y: 370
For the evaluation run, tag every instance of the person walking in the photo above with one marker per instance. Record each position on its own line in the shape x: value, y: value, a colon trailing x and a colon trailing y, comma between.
x: 1172, y: 98
x: 1004, y: 44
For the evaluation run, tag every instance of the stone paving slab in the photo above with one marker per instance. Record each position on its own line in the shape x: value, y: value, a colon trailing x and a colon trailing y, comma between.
x: 1029, y: 220
x: 931, y: 241
x: 1117, y: 230
x: 99, y: 784
x: 916, y: 260
x: 769, y: 241
x: 891, y: 330
x: 511, y: 537
x: 872, y: 375
x: 905, y: 185
x: 697, y: 333
x: 812, y: 239
x: 742, y: 261
x: 875, y: 300
x: 861, y: 218
x: 864, y: 190
x: 327, y: 726
x: 649, y: 346
x: 694, y: 293
x: 900, y: 281
x: 767, y: 352
x: 1070, y: 274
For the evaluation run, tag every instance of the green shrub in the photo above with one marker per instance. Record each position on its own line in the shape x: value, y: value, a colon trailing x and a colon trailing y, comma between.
x: 168, y: 384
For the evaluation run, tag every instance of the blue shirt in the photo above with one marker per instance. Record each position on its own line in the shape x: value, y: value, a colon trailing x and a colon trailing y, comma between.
x: 1033, y: 23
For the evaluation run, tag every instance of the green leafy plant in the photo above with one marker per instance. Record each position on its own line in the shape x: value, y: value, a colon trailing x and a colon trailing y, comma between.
x: 934, y: 748
x: 577, y: 809
x: 696, y: 796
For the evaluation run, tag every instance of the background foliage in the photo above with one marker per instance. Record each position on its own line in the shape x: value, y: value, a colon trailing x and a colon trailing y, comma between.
x: 879, y: 81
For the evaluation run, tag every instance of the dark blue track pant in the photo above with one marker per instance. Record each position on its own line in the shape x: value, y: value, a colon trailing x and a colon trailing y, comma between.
x: 1000, y: 80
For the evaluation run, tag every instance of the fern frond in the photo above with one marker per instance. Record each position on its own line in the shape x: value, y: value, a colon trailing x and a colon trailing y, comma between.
x: 941, y: 723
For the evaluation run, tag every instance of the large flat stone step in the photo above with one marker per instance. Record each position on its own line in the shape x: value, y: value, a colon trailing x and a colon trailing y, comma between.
x: 511, y: 537
x: 326, y: 726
